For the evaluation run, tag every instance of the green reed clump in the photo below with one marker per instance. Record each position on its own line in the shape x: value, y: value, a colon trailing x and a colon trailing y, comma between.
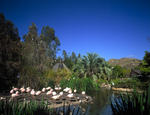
x: 34, y: 108
x: 138, y: 104
x: 81, y: 84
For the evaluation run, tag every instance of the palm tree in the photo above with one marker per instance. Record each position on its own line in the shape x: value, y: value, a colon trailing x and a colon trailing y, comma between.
x: 92, y: 65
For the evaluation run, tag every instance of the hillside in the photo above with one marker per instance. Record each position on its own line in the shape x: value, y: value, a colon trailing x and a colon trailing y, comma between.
x: 125, y: 62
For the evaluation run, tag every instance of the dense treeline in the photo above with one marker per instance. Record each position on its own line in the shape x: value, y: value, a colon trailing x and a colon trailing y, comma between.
x: 30, y: 62
x: 10, y: 53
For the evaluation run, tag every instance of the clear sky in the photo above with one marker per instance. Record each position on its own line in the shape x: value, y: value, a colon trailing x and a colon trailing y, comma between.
x: 110, y: 28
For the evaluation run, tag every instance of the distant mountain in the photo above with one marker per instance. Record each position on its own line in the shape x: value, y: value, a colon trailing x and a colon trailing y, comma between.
x: 125, y: 62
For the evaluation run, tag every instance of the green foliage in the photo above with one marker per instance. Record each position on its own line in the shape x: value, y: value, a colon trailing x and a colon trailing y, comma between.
x: 120, y: 72
x: 127, y: 83
x: 101, y: 81
x: 53, y: 77
x: 132, y: 104
x: 92, y: 66
x: 69, y: 60
x: 34, y: 108
x: 145, y: 71
x: 38, y: 55
x: 145, y: 66
x: 10, y: 53
x: 32, y: 78
x: 146, y: 58
x: 81, y: 84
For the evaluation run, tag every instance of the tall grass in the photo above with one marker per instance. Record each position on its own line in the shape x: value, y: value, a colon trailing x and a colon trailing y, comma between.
x: 35, y: 108
x: 135, y: 104
x: 81, y: 84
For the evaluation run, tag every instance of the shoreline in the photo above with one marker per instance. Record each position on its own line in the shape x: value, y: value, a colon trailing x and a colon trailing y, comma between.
x: 126, y: 90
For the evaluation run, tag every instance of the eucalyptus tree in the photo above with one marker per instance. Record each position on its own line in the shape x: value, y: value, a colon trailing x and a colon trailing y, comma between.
x: 39, y: 54
x: 52, y: 43
x: 69, y: 60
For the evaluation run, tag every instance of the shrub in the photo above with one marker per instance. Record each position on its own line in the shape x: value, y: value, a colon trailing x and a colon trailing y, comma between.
x: 127, y: 83
x: 55, y: 77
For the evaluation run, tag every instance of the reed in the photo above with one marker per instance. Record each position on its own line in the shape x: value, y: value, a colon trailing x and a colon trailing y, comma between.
x: 138, y: 104
x: 35, y: 108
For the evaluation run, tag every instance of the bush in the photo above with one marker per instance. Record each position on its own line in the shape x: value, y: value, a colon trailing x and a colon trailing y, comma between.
x: 30, y: 76
x: 127, y: 83
x: 120, y: 72
x: 53, y: 77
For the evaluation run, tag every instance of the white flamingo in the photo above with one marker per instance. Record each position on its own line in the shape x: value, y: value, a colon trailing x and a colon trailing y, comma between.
x: 28, y: 89
x: 16, y: 89
x: 44, y: 89
x: 11, y: 91
x: 83, y: 92
x: 70, y: 95
x: 75, y: 91
x: 38, y: 93
x: 61, y: 93
x: 54, y: 93
x: 70, y: 91
x: 32, y: 92
x: 55, y: 97
x: 49, y: 93
x: 22, y: 90
x: 48, y: 88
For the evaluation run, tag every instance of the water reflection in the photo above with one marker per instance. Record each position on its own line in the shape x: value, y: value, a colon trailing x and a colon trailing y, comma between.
x: 101, y: 102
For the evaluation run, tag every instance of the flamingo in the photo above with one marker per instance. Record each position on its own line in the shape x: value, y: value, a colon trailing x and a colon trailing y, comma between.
x: 11, y: 91
x: 16, y: 89
x: 44, y: 89
x: 32, y: 92
x: 22, y: 90
x: 48, y: 93
x: 56, y: 88
x: 55, y: 97
x: 83, y: 92
x: 17, y: 92
x: 28, y: 89
x: 14, y: 95
x: 48, y: 88
x: 54, y: 93
x: 61, y: 93
x: 38, y: 93
x: 51, y: 90
x: 70, y: 91
x: 70, y: 95
x: 66, y: 89
x: 59, y: 88
x: 75, y: 91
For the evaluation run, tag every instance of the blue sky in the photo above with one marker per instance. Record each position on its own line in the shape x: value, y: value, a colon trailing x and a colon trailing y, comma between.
x: 110, y: 28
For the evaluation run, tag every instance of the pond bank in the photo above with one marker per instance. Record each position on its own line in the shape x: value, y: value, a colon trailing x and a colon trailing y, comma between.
x: 125, y: 90
x: 52, y: 103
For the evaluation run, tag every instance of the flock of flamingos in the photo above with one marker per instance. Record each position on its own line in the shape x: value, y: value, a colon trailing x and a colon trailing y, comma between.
x: 55, y: 93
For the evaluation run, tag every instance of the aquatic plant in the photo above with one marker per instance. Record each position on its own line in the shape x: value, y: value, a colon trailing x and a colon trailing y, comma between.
x: 138, y: 104
x: 35, y: 108
x: 81, y: 84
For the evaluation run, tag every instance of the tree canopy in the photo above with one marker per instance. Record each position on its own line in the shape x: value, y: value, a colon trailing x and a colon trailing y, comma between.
x: 10, y: 52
